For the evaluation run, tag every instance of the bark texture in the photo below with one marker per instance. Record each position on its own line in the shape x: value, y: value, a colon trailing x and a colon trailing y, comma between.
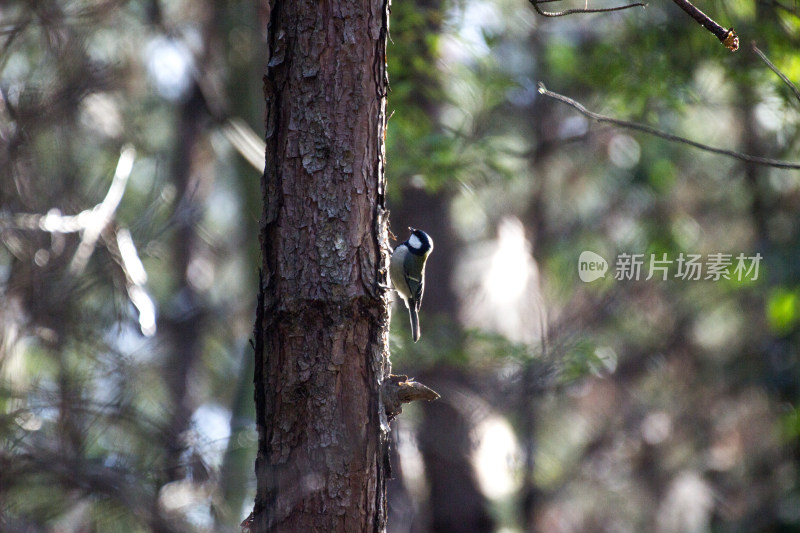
x: 322, y: 324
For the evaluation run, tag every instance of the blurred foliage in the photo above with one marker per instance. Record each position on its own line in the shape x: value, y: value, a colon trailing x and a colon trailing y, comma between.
x: 110, y: 425
x: 637, y: 412
x: 649, y: 406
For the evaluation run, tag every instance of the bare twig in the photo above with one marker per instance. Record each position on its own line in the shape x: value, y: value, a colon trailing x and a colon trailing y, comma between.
x: 102, y: 213
x: 96, y: 224
x: 55, y: 222
x: 727, y: 37
x: 579, y: 10
x: 774, y: 69
x: 664, y: 135
x: 245, y: 141
x: 122, y: 248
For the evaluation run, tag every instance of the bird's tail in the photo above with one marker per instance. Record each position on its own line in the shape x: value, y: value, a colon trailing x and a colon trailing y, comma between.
x: 415, y: 332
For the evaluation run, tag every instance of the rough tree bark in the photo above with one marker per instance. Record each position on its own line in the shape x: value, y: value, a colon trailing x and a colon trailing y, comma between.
x: 321, y: 334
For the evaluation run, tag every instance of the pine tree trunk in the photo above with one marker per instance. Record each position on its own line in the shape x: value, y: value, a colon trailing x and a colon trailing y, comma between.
x: 321, y: 333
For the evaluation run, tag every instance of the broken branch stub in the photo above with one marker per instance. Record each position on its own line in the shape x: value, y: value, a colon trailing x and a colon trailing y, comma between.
x: 399, y: 389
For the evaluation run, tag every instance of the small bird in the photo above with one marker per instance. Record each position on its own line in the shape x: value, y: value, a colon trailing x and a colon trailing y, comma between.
x: 407, y: 269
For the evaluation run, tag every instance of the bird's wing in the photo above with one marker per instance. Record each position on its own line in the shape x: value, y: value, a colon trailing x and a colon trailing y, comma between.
x: 418, y: 294
x: 415, y: 285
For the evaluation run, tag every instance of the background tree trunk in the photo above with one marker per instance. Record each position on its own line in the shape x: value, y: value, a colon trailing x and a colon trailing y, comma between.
x: 322, y: 324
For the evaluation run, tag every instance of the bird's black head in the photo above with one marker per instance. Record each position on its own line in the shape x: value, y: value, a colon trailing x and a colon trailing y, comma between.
x: 419, y: 243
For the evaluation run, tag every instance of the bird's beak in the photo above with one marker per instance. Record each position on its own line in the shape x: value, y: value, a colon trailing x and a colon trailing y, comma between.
x: 412, y: 230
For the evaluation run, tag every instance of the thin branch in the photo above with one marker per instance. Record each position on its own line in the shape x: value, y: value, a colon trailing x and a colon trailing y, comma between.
x: 94, y: 224
x: 664, y: 135
x: 55, y: 222
x: 774, y: 69
x: 245, y: 141
x: 581, y: 10
x: 101, y: 215
x: 727, y: 37
x: 122, y: 248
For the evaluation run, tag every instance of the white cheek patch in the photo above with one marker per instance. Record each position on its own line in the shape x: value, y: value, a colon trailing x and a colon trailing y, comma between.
x: 414, y: 242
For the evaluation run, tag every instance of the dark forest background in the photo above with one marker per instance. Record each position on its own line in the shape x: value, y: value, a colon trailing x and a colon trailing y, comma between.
x: 131, y: 147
